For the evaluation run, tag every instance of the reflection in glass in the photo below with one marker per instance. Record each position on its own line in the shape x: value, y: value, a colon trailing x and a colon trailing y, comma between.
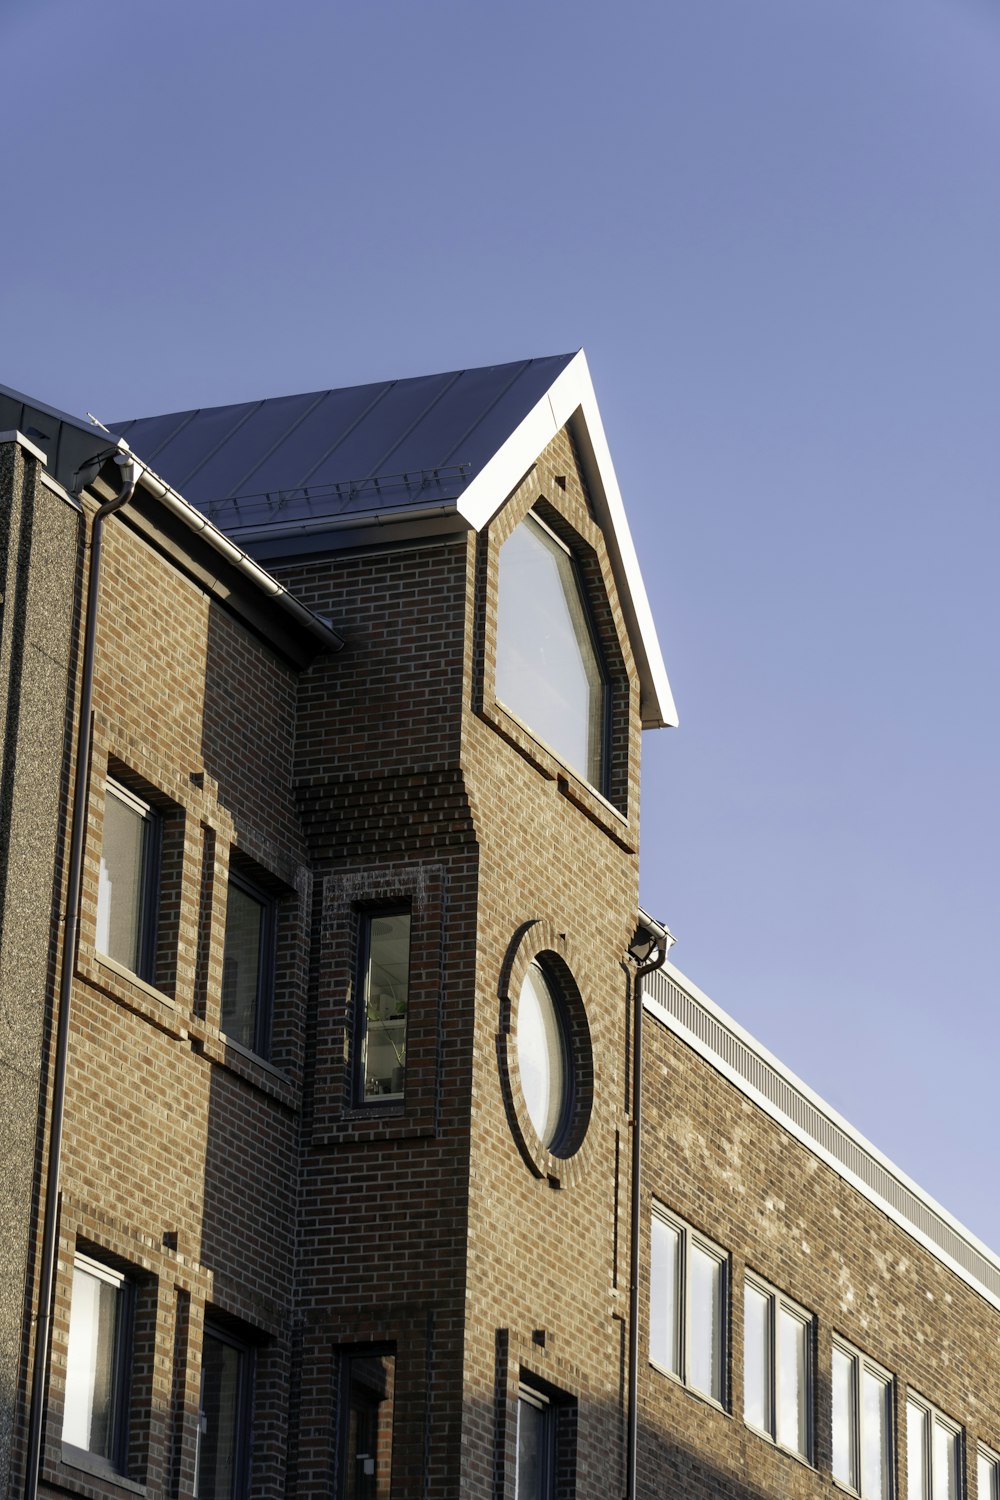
x: 241, y: 966
x: 844, y: 1460
x: 386, y: 989
x: 121, y: 889
x: 792, y: 1355
x: 875, y: 1437
x: 944, y: 1451
x: 916, y: 1451
x: 91, y: 1365
x: 663, y: 1296
x: 988, y: 1475
x: 704, y: 1331
x: 220, y: 1438
x: 541, y: 1056
x: 366, y: 1472
x: 547, y: 669
x: 756, y: 1359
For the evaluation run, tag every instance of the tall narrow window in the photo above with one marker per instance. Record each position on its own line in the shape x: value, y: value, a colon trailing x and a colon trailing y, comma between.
x: 862, y: 1415
x: 367, y: 1399
x: 546, y: 1442
x: 95, y: 1416
x: 777, y: 1367
x: 383, y: 988
x: 548, y: 671
x: 248, y: 966
x: 987, y: 1473
x: 687, y: 1304
x: 932, y: 1453
x: 224, y: 1419
x: 126, y: 893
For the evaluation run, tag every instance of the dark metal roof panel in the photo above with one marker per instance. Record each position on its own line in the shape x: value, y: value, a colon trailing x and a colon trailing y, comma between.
x: 396, y: 445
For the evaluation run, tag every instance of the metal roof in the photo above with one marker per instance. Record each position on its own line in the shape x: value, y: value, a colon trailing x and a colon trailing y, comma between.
x: 388, y: 447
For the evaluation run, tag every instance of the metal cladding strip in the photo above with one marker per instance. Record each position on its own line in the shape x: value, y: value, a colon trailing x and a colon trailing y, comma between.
x: 259, y: 576
x: 684, y: 1009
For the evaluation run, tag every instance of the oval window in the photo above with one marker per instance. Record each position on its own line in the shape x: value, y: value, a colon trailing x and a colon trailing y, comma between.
x: 543, y: 1057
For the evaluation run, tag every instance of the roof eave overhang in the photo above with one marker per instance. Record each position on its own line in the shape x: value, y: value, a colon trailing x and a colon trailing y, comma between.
x: 570, y: 401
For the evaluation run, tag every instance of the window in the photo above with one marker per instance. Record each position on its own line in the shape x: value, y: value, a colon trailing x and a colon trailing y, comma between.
x: 224, y: 1417
x: 862, y: 1417
x: 126, y: 892
x: 384, y: 998
x: 543, y: 1057
x: 248, y: 966
x: 95, y: 1416
x: 546, y: 1442
x: 777, y: 1367
x: 987, y: 1473
x: 932, y: 1459
x: 687, y: 1305
x: 369, y: 1378
x: 548, y: 671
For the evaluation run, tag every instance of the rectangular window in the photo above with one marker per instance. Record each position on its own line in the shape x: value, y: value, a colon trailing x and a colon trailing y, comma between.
x: 383, y: 991
x: 224, y: 1418
x: 777, y: 1367
x: 95, y: 1415
x: 126, y: 892
x: 687, y: 1304
x: 987, y: 1473
x: 248, y: 966
x: 546, y: 1442
x: 862, y: 1417
x: 367, y: 1400
x: 933, y: 1465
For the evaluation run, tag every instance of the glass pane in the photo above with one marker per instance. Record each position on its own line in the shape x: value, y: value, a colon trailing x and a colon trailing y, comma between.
x: 218, y: 1448
x: 916, y: 1453
x: 844, y: 1462
x: 368, y: 1450
x: 541, y: 1055
x: 88, y: 1416
x: 988, y: 1476
x: 704, y: 1352
x: 387, y: 986
x: 875, y: 1437
x: 534, y: 1451
x: 756, y: 1359
x: 547, y: 670
x: 945, y: 1462
x: 793, y: 1429
x: 663, y: 1296
x: 241, y: 972
x: 120, y: 890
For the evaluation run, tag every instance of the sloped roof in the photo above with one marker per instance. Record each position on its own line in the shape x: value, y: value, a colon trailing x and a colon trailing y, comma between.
x: 289, y: 475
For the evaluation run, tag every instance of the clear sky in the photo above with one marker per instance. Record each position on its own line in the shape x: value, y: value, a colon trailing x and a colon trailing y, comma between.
x: 775, y: 227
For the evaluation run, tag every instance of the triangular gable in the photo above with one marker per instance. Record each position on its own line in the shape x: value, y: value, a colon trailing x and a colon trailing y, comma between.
x: 570, y: 401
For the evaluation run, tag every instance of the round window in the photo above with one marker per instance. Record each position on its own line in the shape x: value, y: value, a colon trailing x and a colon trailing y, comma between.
x: 543, y: 1057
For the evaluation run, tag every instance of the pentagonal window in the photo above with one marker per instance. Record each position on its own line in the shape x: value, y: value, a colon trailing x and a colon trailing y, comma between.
x: 548, y: 671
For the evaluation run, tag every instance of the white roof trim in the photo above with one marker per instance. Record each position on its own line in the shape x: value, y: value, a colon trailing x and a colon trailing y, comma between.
x: 571, y: 399
x: 12, y: 435
x: 971, y: 1247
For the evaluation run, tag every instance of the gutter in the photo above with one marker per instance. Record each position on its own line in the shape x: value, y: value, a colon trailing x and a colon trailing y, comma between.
x: 129, y: 480
x: 654, y: 940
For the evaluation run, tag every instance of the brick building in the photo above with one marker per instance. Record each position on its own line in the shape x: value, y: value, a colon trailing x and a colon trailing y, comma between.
x: 361, y: 1141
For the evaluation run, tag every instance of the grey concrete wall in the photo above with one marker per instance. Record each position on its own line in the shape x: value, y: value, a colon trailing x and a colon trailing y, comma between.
x: 39, y: 552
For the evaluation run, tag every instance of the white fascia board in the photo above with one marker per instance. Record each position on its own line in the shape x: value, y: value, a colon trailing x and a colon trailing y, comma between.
x: 571, y: 400
x: 14, y: 436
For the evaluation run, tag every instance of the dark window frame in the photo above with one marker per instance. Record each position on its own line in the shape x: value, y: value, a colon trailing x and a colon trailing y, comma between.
x: 149, y: 877
x: 367, y: 915
x: 243, y: 1441
x: 266, y: 963
x: 347, y: 1356
x: 115, y: 1461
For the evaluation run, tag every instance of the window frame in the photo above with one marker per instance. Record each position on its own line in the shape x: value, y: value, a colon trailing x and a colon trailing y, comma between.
x: 862, y: 1364
x: 987, y: 1457
x: 348, y: 1356
x: 367, y: 916
x: 932, y: 1416
x: 115, y: 1460
x: 244, y: 1407
x: 147, y: 884
x: 778, y: 1302
x: 266, y: 964
x: 691, y: 1239
x: 530, y: 1395
x: 602, y: 733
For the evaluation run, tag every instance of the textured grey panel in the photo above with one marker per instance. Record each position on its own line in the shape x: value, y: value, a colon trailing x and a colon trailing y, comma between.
x: 795, y: 1106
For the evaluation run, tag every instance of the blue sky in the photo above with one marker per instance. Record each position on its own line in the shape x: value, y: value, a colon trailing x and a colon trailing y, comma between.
x: 775, y: 228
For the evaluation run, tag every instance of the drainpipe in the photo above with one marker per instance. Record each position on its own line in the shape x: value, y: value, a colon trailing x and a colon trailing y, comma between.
x: 650, y: 946
x: 129, y: 479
